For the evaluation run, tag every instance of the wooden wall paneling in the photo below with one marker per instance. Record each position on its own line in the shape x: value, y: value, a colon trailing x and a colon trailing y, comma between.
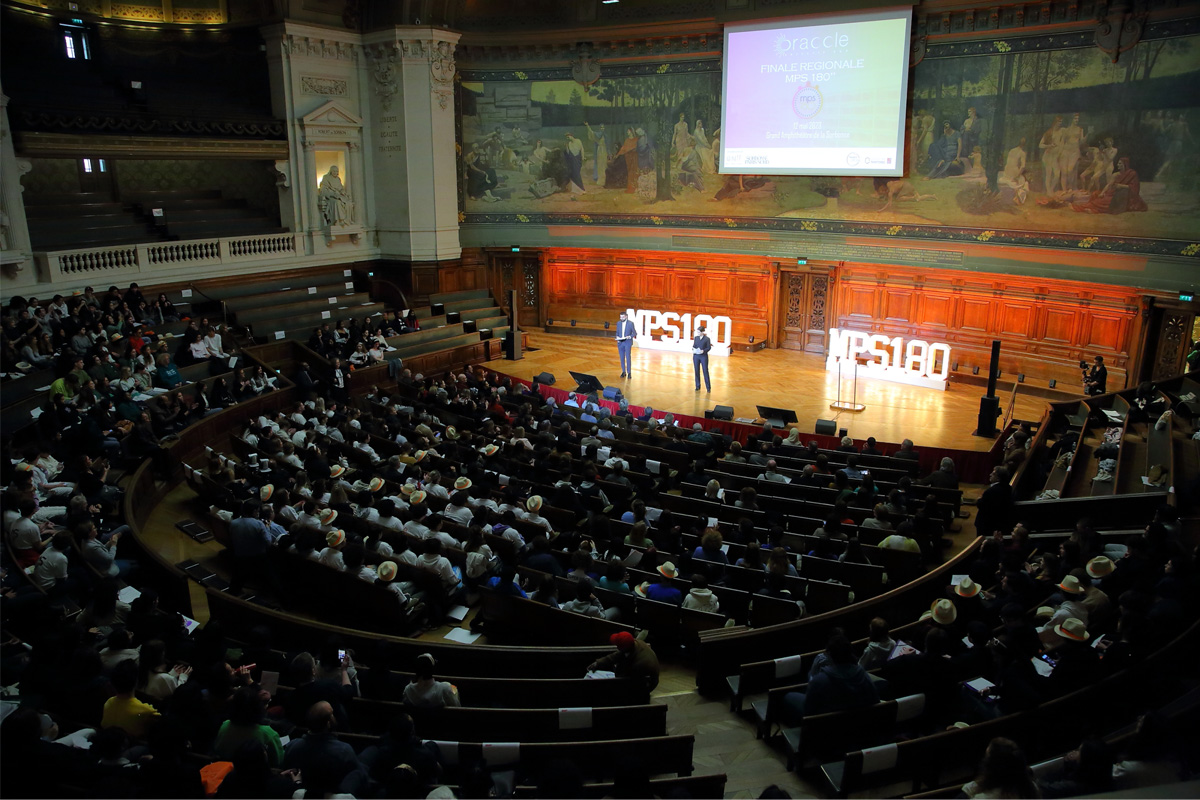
x: 1046, y: 326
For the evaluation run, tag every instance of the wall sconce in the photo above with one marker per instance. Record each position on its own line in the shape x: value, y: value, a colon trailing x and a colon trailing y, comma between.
x: 974, y: 370
x: 1053, y: 383
x: 1020, y: 377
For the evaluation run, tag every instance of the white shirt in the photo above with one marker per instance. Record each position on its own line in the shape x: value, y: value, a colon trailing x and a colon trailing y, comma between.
x: 332, y: 557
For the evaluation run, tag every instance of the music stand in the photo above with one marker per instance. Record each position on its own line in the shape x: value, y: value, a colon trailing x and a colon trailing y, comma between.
x: 777, y: 417
x: 586, y: 383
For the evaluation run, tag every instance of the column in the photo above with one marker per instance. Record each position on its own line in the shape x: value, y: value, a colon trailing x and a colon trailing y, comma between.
x: 412, y: 142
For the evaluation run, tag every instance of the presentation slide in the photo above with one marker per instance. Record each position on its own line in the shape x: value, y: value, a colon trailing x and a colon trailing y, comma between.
x: 817, y: 95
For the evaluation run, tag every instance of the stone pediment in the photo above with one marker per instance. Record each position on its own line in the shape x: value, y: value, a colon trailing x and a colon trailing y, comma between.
x: 331, y: 114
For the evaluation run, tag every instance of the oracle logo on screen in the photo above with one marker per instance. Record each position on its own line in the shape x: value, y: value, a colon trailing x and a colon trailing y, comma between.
x: 890, y: 357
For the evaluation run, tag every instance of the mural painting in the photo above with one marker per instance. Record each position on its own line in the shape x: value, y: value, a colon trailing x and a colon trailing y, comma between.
x: 1004, y: 136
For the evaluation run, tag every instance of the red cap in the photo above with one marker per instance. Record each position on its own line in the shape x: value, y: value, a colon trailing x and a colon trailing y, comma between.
x: 622, y: 641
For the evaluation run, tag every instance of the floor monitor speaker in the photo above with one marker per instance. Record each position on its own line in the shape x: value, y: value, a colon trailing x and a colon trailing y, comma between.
x: 545, y: 378
x: 826, y: 427
x: 723, y: 412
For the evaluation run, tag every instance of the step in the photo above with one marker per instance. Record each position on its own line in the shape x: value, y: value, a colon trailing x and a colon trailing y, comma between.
x: 280, y: 297
x: 169, y: 195
x: 466, y: 294
x: 321, y: 279
x: 315, y: 305
x: 73, y: 210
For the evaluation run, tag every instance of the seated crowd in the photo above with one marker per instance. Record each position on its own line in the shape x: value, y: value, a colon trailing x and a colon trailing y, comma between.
x: 465, y: 480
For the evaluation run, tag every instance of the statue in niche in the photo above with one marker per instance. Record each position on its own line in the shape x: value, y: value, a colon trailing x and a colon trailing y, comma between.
x: 332, y: 200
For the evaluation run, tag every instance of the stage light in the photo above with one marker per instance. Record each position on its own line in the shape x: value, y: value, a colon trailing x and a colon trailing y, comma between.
x: 974, y: 370
x: 1020, y: 377
x: 1053, y: 383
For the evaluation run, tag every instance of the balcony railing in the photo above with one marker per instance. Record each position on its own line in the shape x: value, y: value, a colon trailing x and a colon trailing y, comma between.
x: 155, y: 257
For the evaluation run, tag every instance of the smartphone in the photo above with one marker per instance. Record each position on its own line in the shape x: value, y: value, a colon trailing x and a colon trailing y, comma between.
x: 341, y: 655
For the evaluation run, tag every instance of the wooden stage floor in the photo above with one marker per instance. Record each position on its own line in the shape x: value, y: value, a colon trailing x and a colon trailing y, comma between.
x: 779, y: 378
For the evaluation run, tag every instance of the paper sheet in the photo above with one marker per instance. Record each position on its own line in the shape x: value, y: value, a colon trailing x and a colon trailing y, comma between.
x: 653, y: 467
x: 877, y: 759
x: 278, y: 335
x: 574, y: 718
x: 979, y: 684
x: 458, y: 613
x: 712, y: 522
x: 349, y: 284
x: 787, y: 666
x: 324, y: 315
x: 497, y: 753
x: 1043, y: 668
x: 333, y: 301
x: 269, y: 682
x: 312, y: 290
x: 599, y: 674
x: 346, y: 273
x: 186, y: 293
x: 128, y: 594
x: 283, y: 740
x: 190, y: 624
x: 909, y: 707
x: 462, y: 635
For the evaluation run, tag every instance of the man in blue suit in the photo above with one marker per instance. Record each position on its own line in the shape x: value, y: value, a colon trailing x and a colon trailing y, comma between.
x: 625, y: 334
x: 701, y: 344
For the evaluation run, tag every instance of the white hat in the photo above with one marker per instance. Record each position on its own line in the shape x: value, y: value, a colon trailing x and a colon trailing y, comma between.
x: 265, y: 492
x: 1072, y: 629
x: 966, y: 588
x: 387, y: 571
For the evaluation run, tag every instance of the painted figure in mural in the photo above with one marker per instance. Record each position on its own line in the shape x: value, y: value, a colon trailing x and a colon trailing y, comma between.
x: 945, y: 153
x: 1014, y: 163
x: 1014, y: 190
x: 518, y: 137
x: 332, y: 199
x: 971, y: 132
x: 691, y: 168
x: 922, y: 138
x: 537, y: 158
x: 703, y: 149
x: 573, y: 156
x: 716, y: 150
x: 481, y: 179
x: 599, y: 153
x: 1051, y: 147
x: 494, y: 149
x: 645, y: 150
x: 1122, y: 194
x: 680, y: 139
x: 627, y: 157
x: 900, y: 189
x: 1177, y: 134
x: 1073, y: 141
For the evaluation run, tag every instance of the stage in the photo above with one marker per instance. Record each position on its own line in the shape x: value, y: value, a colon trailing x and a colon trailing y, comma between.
x: 781, y: 378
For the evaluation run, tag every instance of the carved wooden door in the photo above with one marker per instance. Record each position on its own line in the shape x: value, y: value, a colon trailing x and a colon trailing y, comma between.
x: 522, y: 272
x: 804, y: 300
x: 1176, y: 322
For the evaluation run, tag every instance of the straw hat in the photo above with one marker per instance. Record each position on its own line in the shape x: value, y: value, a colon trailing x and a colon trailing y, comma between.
x: 462, y: 483
x: 407, y: 489
x: 451, y: 432
x: 1070, y: 585
x: 265, y: 492
x: 387, y: 571
x: 335, y: 538
x: 337, y: 471
x: 966, y: 588
x: 1072, y: 629
x: 417, y: 497
x: 667, y: 569
x: 943, y: 612
x: 490, y: 449
x: 1100, y: 566
x: 328, y: 515
x: 376, y: 484
x: 534, y: 503
x: 640, y: 589
x: 418, y: 456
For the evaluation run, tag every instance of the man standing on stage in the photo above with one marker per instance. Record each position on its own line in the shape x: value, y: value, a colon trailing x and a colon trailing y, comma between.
x: 625, y: 335
x: 700, y: 347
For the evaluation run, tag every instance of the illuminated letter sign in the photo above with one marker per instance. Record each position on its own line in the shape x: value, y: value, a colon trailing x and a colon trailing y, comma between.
x: 675, y: 331
x: 917, y: 363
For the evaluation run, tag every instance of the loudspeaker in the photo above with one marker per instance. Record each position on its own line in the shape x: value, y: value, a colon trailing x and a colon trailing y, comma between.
x: 989, y: 409
x: 994, y: 369
x: 826, y: 427
x: 612, y: 393
x: 437, y: 309
x: 544, y: 378
x: 723, y: 413
x: 453, y: 317
x: 512, y: 345
x: 468, y: 326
